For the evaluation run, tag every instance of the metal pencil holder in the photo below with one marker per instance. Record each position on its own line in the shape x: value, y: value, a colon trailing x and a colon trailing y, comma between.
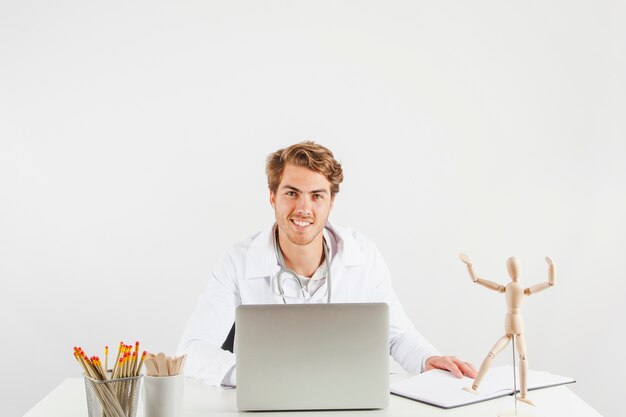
x: 112, y: 397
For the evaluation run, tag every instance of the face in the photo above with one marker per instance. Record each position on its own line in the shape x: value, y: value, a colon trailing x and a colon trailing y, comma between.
x: 301, y: 204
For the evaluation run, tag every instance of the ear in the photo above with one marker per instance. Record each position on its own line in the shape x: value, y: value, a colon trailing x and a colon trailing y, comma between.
x: 272, y: 199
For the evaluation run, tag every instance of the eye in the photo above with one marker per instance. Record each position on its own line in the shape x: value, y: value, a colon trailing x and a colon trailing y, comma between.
x: 317, y: 196
x: 291, y: 193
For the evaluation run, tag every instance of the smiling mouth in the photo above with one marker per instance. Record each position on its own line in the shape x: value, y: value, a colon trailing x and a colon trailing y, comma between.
x: 301, y: 223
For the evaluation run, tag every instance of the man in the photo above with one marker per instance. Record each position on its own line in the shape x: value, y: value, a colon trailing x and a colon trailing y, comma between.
x: 303, y: 180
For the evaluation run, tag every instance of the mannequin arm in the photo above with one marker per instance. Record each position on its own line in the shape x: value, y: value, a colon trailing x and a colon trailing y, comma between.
x: 490, y: 284
x: 484, y: 282
x: 544, y: 285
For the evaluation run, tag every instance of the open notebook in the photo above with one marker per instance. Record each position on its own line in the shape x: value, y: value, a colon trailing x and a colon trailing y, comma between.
x: 442, y: 389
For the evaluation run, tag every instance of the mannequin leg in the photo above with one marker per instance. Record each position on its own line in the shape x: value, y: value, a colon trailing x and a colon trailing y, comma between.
x: 484, y: 367
x: 523, y: 368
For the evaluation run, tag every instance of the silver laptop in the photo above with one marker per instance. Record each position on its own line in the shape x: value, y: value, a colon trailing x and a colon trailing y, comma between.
x: 312, y: 356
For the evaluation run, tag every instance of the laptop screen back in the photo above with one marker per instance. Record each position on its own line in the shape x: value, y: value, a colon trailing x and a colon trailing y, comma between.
x: 312, y: 356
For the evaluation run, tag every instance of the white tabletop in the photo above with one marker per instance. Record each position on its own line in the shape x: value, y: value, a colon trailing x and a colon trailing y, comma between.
x: 68, y: 400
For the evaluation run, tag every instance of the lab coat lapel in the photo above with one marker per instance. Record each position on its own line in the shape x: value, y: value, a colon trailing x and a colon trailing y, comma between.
x: 261, y: 260
x: 347, y: 250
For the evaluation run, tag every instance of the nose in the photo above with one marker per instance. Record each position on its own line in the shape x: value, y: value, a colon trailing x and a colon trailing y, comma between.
x: 303, y: 208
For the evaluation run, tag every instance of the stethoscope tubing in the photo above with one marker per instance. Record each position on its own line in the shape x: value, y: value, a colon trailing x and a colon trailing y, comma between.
x: 283, y: 269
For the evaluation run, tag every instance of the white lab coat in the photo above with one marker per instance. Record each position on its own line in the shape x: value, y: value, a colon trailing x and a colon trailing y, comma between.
x: 245, y: 275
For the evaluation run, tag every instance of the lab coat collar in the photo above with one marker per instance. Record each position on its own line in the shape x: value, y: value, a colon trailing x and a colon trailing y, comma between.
x: 261, y: 259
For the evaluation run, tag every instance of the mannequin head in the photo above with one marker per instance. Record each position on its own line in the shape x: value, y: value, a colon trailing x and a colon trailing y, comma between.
x: 513, y: 266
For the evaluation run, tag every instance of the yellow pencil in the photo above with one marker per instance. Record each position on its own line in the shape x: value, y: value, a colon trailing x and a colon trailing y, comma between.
x: 97, y: 366
x: 127, y: 361
x: 132, y: 363
x: 143, y: 357
x: 80, y: 361
x: 106, y: 359
x: 117, y: 359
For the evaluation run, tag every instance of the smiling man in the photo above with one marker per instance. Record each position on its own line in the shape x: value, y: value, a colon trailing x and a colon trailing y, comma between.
x: 292, y: 262
x: 302, y: 202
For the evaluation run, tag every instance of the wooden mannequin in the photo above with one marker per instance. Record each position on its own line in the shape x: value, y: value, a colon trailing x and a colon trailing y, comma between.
x: 513, y: 324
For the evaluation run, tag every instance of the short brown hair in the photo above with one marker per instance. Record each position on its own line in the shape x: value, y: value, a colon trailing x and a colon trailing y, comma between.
x: 308, y: 155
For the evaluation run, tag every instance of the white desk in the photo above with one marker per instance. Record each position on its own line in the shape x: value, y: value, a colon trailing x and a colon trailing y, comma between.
x: 68, y: 400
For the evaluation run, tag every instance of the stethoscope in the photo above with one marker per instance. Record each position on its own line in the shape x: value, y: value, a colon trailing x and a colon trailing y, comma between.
x: 290, y: 274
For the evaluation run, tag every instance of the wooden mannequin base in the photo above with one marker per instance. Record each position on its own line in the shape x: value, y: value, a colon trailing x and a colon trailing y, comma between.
x: 512, y: 414
x: 525, y: 400
x: 471, y: 390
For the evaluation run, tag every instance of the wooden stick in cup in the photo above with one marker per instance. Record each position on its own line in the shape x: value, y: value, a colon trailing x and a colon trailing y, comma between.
x: 161, y: 361
x: 138, y: 368
x: 117, y: 359
x: 106, y: 359
x: 151, y: 367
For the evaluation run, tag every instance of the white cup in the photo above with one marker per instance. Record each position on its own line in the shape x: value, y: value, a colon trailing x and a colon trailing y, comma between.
x: 163, y: 396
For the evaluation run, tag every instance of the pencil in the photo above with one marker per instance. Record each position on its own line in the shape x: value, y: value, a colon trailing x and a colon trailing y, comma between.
x: 118, y: 366
x: 117, y: 398
x: 133, y: 364
x: 119, y: 351
x: 97, y: 365
x: 143, y: 357
x: 106, y: 359
x: 79, y: 359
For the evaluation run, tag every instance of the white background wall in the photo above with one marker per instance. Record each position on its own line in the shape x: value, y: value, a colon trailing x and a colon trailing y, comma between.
x: 133, y: 137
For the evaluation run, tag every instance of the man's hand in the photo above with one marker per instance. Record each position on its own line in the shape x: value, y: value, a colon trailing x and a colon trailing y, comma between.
x: 452, y: 364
